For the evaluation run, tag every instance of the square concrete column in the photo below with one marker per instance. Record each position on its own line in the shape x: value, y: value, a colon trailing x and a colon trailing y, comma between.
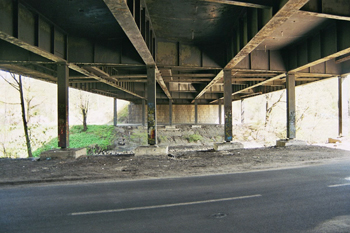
x: 343, y: 103
x: 115, y: 111
x: 220, y: 112
x: 62, y: 104
x: 290, y: 86
x: 242, y: 111
x: 196, y: 112
x: 143, y: 110
x: 151, y: 105
x: 228, y: 105
x: 170, y: 112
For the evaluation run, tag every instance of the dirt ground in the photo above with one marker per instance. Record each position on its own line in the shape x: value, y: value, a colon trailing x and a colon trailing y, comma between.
x: 181, y: 161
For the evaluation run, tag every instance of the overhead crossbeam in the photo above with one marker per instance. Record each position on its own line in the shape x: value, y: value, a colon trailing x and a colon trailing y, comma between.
x: 245, y: 3
x: 122, y: 14
x: 328, y: 9
x: 102, y: 79
x: 249, y: 88
x: 285, y: 12
x: 323, y: 48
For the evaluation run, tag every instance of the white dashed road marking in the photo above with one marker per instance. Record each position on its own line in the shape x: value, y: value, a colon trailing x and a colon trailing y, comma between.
x: 165, y: 205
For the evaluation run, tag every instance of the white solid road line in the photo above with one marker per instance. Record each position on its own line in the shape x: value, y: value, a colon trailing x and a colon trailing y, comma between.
x: 338, y: 185
x: 165, y: 206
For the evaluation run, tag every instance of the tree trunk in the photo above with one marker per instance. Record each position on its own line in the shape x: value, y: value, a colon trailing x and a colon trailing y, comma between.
x: 24, y: 119
x: 84, y: 112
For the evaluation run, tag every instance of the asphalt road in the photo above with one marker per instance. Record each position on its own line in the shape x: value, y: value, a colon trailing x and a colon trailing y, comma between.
x: 309, y: 199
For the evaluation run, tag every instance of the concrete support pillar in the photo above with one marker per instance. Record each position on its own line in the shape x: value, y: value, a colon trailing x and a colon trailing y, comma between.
x: 62, y: 104
x: 343, y: 111
x: 115, y: 112
x: 228, y: 105
x: 196, y: 112
x: 151, y: 105
x: 290, y: 86
x: 220, y: 112
x: 242, y: 111
x: 170, y: 112
x: 143, y: 113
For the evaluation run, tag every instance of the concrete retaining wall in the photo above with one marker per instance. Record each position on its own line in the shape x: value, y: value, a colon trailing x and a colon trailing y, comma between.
x: 182, y: 114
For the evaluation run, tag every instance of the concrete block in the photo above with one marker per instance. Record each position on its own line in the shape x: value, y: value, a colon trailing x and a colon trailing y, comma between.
x: 171, y: 127
x: 334, y: 140
x: 228, y: 146
x: 152, y: 150
x: 63, y: 153
x: 290, y: 142
x: 196, y: 126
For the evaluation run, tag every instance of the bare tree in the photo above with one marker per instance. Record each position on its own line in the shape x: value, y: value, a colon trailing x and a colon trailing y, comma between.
x: 84, y: 108
x: 270, y: 107
x: 18, y: 85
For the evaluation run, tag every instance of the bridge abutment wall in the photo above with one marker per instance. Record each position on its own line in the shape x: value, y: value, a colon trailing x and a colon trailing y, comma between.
x: 181, y: 114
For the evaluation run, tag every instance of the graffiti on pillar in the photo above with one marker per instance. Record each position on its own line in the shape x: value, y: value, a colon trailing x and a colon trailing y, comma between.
x: 291, y: 125
x: 151, y: 119
x: 63, y: 126
x: 228, y: 126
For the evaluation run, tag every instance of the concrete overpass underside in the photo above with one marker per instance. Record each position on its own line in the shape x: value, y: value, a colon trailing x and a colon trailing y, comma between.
x: 176, y: 52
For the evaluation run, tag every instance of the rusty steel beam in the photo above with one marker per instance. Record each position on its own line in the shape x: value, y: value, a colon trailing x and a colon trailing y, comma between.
x: 286, y: 11
x: 106, y: 93
x: 122, y: 14
x: 260, y: 84
x: 130, y: 76
x: 324, y: 46
x: 236, y: 70
x: 245, y: 3
x: 188, y: 80
x: 328, y: 9
x: 255, y: 85
x: 34, y: 49
x: 323, y: 15
x: 254, y: 75
x: 103, y: 80
x: 83, y: 81
x: 132, y: 80
x: 27, y: 72
x: 248, y: 79
x: 343, y: 58
x: 314, y: 75
x: 191, y: 75
x: 55, y: 58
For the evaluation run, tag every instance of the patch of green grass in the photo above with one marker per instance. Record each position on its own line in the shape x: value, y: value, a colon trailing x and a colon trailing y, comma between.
x: 100, y: 135
x: 162, y: 138
x: 194, y: 137
x: 140, y: 137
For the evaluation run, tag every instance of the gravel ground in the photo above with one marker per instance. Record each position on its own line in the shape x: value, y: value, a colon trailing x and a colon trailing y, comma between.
x: 181, y: 161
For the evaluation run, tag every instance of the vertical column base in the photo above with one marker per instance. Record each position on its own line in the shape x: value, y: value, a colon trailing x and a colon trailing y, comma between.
x: 290, y: 142
x: 152, y: 150
x: 228, y: 146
